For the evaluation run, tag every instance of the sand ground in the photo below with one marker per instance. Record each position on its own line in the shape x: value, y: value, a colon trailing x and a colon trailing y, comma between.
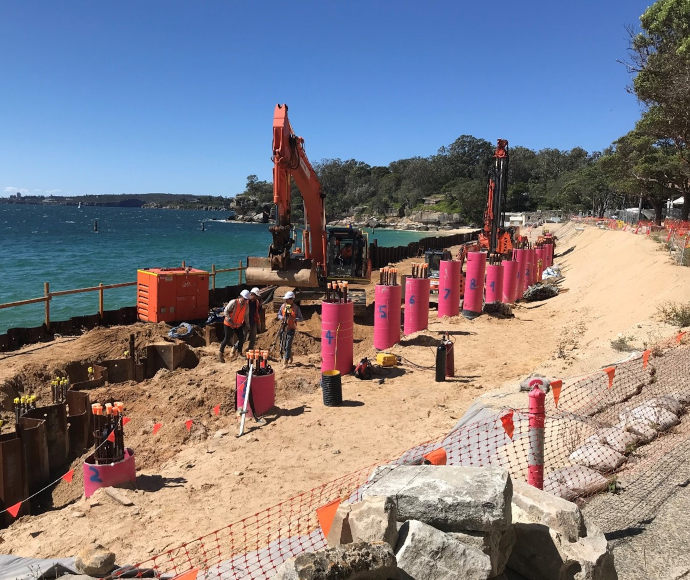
x: 191, y: 483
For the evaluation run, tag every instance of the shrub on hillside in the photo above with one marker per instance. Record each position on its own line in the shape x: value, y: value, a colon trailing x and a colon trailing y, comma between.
x: 675, y: 313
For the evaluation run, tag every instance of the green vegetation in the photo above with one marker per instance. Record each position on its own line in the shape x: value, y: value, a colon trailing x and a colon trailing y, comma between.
x: 675, y: 313
x: 622, y: 343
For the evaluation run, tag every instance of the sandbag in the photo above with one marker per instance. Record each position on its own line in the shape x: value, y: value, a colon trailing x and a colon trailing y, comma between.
x: 617, y: 439
x: 574, y: 481
x: 658, y: 418
x: 669, y: 403
x: 597, y: 456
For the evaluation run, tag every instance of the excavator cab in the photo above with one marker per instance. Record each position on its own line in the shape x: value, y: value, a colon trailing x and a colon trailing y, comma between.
x: 347, y: 254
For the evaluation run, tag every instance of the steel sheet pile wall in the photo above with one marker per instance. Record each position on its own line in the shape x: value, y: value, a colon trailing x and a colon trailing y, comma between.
x: 382, y: 256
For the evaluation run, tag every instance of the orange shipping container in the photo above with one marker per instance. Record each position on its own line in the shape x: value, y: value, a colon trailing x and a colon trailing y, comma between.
x: 172, y: 294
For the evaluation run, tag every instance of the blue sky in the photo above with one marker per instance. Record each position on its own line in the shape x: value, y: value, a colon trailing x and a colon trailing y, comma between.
x: 169, y: 96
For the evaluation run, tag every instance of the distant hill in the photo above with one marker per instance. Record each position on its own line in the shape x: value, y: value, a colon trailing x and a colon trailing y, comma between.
x: 160, y: 200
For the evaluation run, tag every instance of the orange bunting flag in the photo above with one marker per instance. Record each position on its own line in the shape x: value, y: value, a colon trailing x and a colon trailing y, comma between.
x: 13, y: 510
x: 191, y: 575
x: 216, y: 409
x: 645, y: 358
x: 125, y: 420
x: 68, y: 476
x: 188, y: 424
x: 556, y: 390
x: 508, y: 425
x: 611, y: 372
x: 111, y: 437
x: 325, y: 514
x: 680, y: 337
x: 157, y: 427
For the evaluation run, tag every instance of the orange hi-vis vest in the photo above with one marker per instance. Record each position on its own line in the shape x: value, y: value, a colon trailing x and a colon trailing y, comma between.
x: 237, y: 315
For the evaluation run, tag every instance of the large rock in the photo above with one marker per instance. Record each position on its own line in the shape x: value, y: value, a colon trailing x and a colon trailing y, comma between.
x: 451, y: 498
x: 339, y: 532
x: 94, y: 560
x: 359, y: 560
x: 497, y: 545
x: 541, y: 507
x: 425, y: 553
x: 542, y: 553
x: 374, y: 520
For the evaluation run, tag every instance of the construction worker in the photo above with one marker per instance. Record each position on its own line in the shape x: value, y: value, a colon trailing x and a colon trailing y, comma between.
x: 290, y: 314
x: 236, y: 318
x: 255, y: 310
x: 346, y: 254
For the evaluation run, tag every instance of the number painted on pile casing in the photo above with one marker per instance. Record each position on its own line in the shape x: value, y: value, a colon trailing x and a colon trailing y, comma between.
x: 446, y: 293
x: 382, y: 310
x: 412, y: 299
x: 95, y: 476
x: 493, y: 286
x: 473, y: 284
x: 329, y: 336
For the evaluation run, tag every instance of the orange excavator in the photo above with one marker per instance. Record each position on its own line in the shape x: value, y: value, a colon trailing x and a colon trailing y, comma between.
x: 495, y: 237
x: 339, y: 253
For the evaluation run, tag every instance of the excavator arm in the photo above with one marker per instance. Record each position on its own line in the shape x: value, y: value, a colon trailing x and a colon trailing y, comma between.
x: 290, y: 161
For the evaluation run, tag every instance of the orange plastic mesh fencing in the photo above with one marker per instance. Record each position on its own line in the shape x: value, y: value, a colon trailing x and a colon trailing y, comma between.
x: 600, y: 419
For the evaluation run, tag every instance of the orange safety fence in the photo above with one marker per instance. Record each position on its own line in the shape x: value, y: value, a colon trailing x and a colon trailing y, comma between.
x: 579, y: 413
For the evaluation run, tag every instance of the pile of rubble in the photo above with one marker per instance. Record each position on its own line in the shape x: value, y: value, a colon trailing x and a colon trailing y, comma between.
x: 443, y: 522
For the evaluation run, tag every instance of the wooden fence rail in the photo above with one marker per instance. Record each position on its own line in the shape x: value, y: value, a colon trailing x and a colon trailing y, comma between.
x: 48, y: 295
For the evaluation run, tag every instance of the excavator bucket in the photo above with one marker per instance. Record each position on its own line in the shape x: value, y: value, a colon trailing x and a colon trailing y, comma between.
x: 300, y: 274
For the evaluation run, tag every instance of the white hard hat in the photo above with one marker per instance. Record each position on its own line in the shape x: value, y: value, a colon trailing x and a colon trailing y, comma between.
x: 245, y: 294
x: 289, y: 294
x: 255, y: 291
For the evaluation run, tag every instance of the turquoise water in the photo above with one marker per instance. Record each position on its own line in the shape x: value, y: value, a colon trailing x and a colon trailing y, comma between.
x: 57, y: 244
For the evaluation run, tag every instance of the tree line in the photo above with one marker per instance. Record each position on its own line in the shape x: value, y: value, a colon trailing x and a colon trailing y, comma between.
x: 649, y: 164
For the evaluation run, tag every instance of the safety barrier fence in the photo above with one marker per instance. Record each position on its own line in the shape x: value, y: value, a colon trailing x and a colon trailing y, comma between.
x: 588, y: 423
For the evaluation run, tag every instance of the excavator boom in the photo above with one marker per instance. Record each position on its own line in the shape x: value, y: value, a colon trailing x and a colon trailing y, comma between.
x: 320, y: 251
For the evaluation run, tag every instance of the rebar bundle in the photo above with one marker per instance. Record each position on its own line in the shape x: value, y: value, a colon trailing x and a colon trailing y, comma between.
x: 336, y: 292
x: 388, y: 276
x: 108, y: 432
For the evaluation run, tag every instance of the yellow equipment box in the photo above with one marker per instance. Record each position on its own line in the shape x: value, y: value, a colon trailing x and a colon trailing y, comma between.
x: 386, y: 359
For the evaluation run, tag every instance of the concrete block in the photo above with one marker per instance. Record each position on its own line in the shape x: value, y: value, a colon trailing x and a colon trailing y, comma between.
x: 425, y: 553
x: 451, y: 498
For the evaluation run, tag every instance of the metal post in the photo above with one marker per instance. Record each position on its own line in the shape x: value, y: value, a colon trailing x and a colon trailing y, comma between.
x: 535, y: 456
x: 46, y: 293
x: 100, y: 299
x: 213, y: 276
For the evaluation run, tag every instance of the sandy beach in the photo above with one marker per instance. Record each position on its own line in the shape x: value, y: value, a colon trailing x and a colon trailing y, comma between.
x: 191, y: 483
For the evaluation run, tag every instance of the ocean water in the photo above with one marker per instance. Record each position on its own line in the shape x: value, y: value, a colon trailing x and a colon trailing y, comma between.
x: 57, y: 244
